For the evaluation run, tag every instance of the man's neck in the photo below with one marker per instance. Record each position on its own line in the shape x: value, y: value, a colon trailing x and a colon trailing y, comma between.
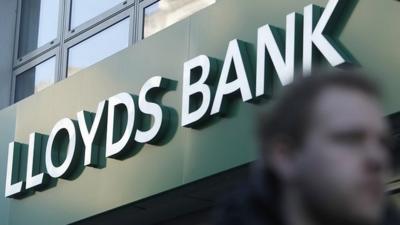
x: 294, y: 211
x: 298, y: 213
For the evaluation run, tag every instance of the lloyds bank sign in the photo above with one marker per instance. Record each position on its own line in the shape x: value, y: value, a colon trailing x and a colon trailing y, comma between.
x: 114, y: 127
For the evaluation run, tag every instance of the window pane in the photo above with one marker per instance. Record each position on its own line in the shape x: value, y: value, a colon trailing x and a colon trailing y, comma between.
x: 84, y: 10
x: 35, y: 79
x: 39, y: 24
x: 98, y: 47
x: 167, y: 12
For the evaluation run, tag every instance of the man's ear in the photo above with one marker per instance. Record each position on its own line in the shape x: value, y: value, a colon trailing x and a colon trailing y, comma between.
x: 282, y: 161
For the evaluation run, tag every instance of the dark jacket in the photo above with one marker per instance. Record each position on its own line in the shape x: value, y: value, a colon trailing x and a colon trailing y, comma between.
x: 257, y: 202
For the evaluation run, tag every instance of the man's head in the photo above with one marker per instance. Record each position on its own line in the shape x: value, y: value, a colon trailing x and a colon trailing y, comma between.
x: 327, y: 141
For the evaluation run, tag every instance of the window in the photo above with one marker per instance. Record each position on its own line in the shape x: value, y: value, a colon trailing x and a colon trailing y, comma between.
x: 35, y: 79
x: 164, y: 13
x: 98, y: 47
x: 69, y: 35
x: 83, y: 11
x: 38, y: 24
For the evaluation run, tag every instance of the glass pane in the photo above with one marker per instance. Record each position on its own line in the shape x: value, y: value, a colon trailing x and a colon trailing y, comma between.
x: 167, y: 12
x: 82, y: 11
x: 35, y: 79
x: 39, y: 24
x: 98, y: 47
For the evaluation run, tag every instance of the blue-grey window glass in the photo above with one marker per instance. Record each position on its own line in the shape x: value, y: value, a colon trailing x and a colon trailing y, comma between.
x: 100, y: 46
x: 35, y: 79
x: 164, y: 13
x: 39, y: 24
x: 84, y: 10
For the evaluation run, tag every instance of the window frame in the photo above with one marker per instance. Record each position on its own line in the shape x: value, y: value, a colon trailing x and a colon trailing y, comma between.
x: 35, y: 62
x: 19, y: 61
x: 92, y: 32
x: 143, y: 4
x: 97, y: 20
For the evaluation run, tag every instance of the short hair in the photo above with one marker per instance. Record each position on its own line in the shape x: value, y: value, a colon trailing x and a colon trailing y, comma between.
x: 290, y: 117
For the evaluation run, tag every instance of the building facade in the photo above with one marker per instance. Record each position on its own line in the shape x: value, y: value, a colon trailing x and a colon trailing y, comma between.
x: 69, y: 64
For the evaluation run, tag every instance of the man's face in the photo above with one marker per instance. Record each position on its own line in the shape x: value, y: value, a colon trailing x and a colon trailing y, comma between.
x: 341, y: 169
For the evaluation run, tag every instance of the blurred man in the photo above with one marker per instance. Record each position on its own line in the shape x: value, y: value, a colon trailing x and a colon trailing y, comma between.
x: 324, y: 158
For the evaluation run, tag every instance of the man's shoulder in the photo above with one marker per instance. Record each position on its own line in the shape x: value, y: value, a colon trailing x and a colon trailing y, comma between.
x: 392, y: 216
x: 245, y: 206
x: 248, y: 205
